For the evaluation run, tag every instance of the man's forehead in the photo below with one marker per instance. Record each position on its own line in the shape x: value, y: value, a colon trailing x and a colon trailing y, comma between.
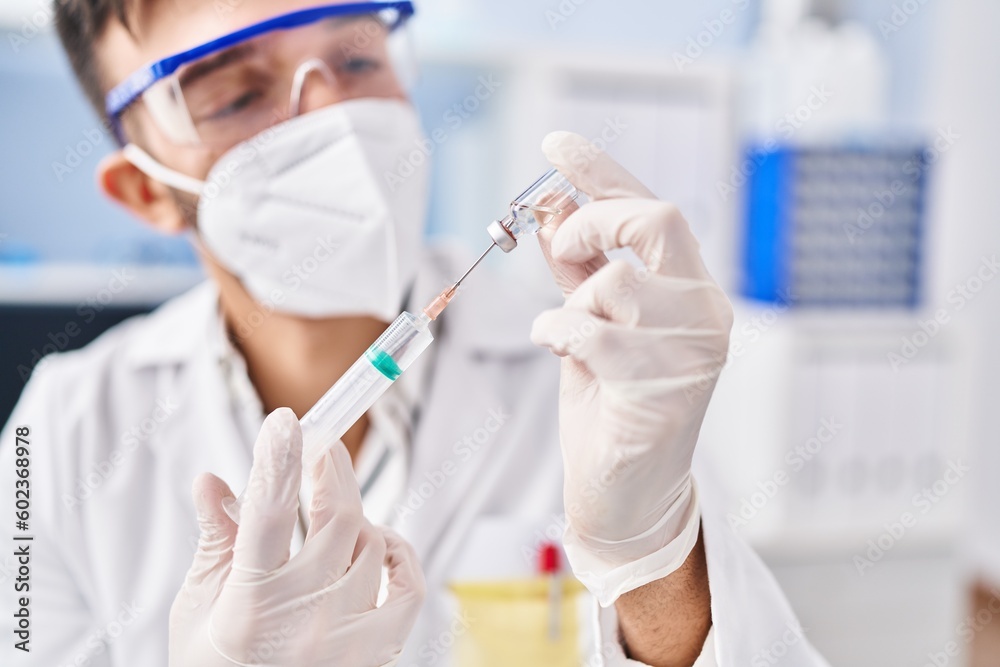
x: 164, y: 27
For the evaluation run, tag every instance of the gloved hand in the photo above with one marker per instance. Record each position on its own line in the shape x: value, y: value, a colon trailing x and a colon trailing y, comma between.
x: 642, y: 351
x: 244, y: 602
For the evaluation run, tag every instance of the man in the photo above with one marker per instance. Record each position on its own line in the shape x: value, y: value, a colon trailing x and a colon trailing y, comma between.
x: 269, y: 131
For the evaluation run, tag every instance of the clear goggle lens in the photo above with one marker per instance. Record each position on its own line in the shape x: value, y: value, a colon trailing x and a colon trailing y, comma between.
x: 232, y: 95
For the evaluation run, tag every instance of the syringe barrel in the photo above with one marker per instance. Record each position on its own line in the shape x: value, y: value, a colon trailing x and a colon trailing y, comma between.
x: 356, y: 391
x: 363, y: 383
x: 547, y: 197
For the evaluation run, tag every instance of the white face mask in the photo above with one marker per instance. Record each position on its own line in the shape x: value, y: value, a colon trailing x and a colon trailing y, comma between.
x: 314, y: 215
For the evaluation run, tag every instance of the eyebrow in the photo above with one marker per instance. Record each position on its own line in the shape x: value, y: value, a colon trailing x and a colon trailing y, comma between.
x: 212, y: 63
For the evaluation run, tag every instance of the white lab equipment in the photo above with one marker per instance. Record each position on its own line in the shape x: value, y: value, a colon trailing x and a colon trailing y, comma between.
x: 806, y: 81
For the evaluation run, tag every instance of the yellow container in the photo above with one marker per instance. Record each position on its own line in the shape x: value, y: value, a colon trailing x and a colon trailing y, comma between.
x: 510, y: 624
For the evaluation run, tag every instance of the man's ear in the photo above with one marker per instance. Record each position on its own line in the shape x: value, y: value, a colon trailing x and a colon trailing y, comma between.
x: 144, y: 197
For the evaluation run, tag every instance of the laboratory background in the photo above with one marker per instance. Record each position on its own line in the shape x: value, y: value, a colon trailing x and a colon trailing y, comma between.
x: 836, y: 160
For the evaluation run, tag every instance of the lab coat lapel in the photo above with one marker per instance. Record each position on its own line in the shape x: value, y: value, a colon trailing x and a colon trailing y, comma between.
x: 214, y: 434
x: 185, y: 348
x: 177, y: 396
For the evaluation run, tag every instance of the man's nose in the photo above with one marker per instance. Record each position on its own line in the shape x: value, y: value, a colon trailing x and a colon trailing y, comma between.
x: 313, y: 87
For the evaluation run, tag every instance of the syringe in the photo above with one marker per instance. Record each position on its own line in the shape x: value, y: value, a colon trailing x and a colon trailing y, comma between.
x: 358, y: 389
x: 409, y: 335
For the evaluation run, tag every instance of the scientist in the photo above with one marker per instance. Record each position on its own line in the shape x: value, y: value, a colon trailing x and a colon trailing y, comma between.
x: 266, y: 129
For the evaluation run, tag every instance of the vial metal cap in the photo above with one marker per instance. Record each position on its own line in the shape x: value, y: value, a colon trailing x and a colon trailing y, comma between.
x: 501, y: 236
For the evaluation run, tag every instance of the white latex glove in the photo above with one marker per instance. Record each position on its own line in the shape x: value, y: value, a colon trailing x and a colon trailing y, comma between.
x: 244, y: 602
x: 642, y: 351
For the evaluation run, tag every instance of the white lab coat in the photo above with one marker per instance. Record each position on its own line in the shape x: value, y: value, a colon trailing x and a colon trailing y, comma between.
x: 138, y: 414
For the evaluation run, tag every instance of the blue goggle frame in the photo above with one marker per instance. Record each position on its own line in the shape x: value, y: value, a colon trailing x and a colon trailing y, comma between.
x: 129, y: 90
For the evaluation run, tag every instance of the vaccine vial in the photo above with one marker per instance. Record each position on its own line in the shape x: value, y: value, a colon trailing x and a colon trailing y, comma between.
x: 546, y: 198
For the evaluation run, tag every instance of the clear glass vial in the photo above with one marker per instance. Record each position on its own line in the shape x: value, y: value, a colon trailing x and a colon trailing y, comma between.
x: 546, y: 198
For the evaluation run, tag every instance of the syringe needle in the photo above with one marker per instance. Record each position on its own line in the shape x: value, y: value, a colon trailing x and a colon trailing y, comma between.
x: 442, y: 300
x: 471, y: 268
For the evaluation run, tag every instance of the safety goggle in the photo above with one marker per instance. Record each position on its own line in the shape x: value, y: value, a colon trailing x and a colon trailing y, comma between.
x: 236, y: 86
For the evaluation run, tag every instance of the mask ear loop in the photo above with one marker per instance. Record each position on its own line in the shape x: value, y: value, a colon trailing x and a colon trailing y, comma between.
x: 299, y: 81
x: 148, y: 165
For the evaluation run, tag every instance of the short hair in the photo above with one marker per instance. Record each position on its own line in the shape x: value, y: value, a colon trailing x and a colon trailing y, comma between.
x: 80, y: 24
